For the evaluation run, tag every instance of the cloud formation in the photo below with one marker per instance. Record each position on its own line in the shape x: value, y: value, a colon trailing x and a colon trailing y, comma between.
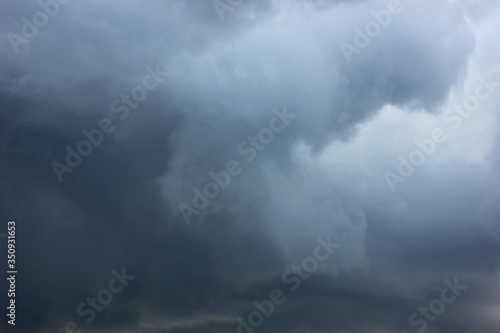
x: 220, y: 84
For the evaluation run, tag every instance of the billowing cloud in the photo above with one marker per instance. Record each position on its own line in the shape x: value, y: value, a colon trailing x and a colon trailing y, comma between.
x: 214, y: 151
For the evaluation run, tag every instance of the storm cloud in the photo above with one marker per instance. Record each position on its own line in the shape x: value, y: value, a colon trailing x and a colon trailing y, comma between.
x: 213, y: 150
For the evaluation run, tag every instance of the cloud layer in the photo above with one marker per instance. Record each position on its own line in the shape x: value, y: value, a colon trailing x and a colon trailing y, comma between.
x: 224, y: 88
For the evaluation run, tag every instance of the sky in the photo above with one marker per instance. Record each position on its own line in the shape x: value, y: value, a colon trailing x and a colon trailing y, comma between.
x: 250, y: 166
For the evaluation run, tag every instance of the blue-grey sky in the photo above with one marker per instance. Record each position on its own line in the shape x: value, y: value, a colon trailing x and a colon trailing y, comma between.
x: 204, y: 146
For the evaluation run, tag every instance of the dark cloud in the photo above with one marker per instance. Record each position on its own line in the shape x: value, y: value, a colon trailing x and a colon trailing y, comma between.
x: 322, y: 174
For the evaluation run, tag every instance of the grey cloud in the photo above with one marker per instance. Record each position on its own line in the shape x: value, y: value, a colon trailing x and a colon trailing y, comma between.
x: 119, y: 208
